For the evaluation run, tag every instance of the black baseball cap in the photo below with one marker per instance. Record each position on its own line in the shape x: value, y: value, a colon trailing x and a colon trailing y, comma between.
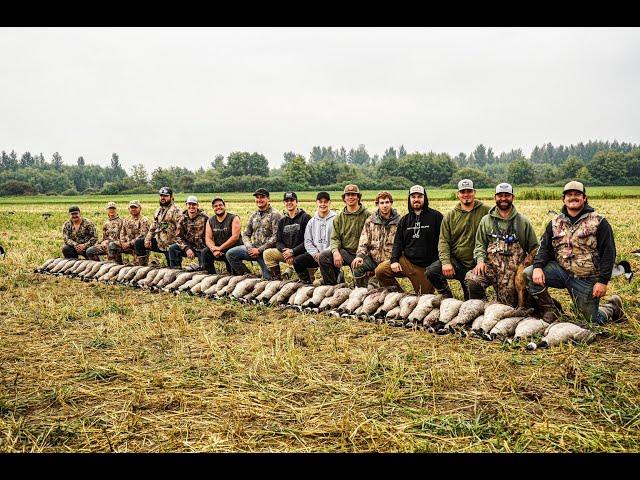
x: 324, y: 195
x: 165, y: 191
x: 218, y: 199
x: 290, y: 196
x: 74, y: 208
x: 261, y: 191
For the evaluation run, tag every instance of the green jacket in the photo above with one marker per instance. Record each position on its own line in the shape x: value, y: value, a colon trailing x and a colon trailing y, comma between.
x: 458, y: 234
x: 347, y: 228
x: 524, y: 229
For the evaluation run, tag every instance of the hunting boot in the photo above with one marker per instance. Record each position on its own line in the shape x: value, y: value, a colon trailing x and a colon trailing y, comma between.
x: 547, y: 307
x: 142, y: 260
x: 275, y: 273
x: 304, y: 276
x: 612, y: 310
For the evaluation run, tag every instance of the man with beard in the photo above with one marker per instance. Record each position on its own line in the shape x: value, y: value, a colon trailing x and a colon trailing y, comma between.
x: 110, y: 233
x: 415, y: 246
x: 133, y: 227
x: 577, y: 252
x: 347, y: 227
x: 162, y: 232
x: 376, y: 240
x: 221, y: 234
x: 79, y: 234
x: 290, y: 239
x: 189, y: 235
x: 503, y: 240
x: 260, y: 234
x: 457, y: 241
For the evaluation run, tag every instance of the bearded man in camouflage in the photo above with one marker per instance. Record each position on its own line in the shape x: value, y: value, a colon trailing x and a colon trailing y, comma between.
x: 110, y: 233
x: 162, y: 232
x: 577, y: 252
x: 79, y: 234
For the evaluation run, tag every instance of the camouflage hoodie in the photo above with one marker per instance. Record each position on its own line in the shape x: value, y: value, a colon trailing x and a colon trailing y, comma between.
x: 111, y: 229
x: 190, y: 231
x: 262, y: 229
x: 378, y: 233
x: 164, y: 226
x: 86, y: 233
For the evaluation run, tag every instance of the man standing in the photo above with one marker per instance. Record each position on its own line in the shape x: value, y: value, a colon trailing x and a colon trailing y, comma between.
x: 376, y: 240
x: 110, y: 233
x: 260, y: 234
x: 317, y: 237
x: 162, y: 232
x: 135, y: 226
x: 79, y: 234
x: 290, y: 237
x: 415, y: 246
x: 457, y: 241
x: 503, y: 240
x: 221, y: 234
x: 577, y: 252
x: 347, y: 227
x: 189, y: 235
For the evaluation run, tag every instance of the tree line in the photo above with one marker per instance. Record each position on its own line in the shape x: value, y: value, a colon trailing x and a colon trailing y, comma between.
x: 594, y: 162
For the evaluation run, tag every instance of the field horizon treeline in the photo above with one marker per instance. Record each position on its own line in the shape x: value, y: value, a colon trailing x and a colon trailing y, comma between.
x: 595, y: 162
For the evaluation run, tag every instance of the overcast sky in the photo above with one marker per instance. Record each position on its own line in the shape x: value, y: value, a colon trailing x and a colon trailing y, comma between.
x: 179, y: 96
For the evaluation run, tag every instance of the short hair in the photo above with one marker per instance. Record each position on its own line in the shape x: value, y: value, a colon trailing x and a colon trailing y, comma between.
x: 384, y: 194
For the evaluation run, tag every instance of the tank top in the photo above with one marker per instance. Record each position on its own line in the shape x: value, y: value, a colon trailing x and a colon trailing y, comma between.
x: 222, y: 230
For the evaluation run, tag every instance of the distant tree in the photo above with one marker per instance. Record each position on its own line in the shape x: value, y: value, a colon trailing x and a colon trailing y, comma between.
x: 461, y: 159
x: 570, y: 167
x: 139, y: 175
x: 288, y: 156
x: 390, y: 153
x: 479, y: 178
x: 218, y: 162
x: 608, y: 168
x: 27, y: 160
x: 521, y: 171
x: 358, y: 156
x: 401, y: 152
x: 56, y: 161
x: 245, y: 163
x: 81, y: 161
x: 117, y: 171
x: 478, y: 157
x: 583, y: 175
x: 428, y: 169
x: 341, y: 156
x: 296, y: 171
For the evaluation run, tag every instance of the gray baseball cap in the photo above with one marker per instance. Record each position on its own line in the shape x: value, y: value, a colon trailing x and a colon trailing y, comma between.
x: 504, y: 188
x: 192, y: 199
x: 465, y: 184
x: 417, y: 189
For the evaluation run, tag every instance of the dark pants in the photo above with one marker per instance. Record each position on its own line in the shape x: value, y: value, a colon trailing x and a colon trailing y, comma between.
x: 207, y: 260
x: 580, y: 289
x: 176, y: 254
x: 70, y: 252
x: 328, y: 270
x: 440, y: 282
x: 142, y: 251
x: 363, y: 274
x: 302, y: 263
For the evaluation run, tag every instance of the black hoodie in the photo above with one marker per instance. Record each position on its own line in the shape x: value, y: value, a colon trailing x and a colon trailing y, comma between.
x: 417, y: 236
x: 291, y: 232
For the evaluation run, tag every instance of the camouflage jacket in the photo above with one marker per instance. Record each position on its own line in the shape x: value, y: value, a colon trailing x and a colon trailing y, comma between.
x: 576, y: 245
x: 111, y: 230
x: 164, y: 226
x: 376, y: 239
x: 262, y: 229
x: 191, y: 230
x: 133, y: 228
x: 86, y: 233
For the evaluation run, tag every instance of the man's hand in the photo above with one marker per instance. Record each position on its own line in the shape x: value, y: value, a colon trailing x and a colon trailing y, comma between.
x: 147, y: 243
x: 316, y: 257
x: 287, y: 253
x: 124, y: 245
x: 79, y: 248
x: 396, y: 267
x: 480, y: 268
x: 190, y: 254
x: 538, y: 277
x: 290, y: 260
x: 599, y: 290
x: 217, y: 253
x: 357, y: 262
x: 338, y: 261
x: 254, y: 252
x: 448, y: 270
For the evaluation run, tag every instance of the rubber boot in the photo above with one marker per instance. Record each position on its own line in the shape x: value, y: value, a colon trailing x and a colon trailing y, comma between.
x: 275, y: 273
x: 142, y: 260
x: 547, y: 307
x: 476, y: 291
x: 612, y: 310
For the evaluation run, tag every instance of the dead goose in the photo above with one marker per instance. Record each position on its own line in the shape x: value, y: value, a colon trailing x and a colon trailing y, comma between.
x: 230, y: 287
x: 121, y: 274
x: 529, y: 327
x: 257, y: 289
x: 407, y: 305
x: 391, y: 316
x: 504, y: 328
x: 353, y: 301
x: 424, y: 306
x: 140, y: 274
x: 285, y: 292
x: 372, y: 302
x: 149, y: 277
x: 320, y: 293
x: 62, y: 266
x: 244, y: 287
x: 334, y: 301
x: 493, y: 313
x: 558, y: 333
x: 56, y: 265
x: 167, y: 278
x: 449, y: 308
x: 78, y: 267
x: 153, y: 280
x: 219, y: 284
x: 469, y: 311
x: 269, y: 291
x: 182, y: 278
x: 132, y: 273
x: 390, y: 302
x: 204, y: 284
x: 111, y: 274
x: 47, y: 264
x: 98, y: 268
x: 302, y: 295
x: 431, y: 320
x: 197, y: 278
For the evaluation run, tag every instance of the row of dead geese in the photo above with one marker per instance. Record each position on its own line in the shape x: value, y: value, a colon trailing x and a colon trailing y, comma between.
x: 476, y: 318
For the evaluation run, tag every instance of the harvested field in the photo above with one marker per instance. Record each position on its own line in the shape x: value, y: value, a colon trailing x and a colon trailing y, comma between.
x: 87, y: 367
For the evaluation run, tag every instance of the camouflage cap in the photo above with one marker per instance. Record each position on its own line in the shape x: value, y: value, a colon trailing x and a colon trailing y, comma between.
x: 134, y: 203
x: 351, y: 188
x: 111, y: 205
x: 74, y: 208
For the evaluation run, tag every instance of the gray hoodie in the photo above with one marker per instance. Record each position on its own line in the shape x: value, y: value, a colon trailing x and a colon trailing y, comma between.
x: 317, y: 235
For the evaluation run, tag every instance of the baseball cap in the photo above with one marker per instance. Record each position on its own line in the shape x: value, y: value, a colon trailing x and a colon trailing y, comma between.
x: 324, y: 195
x: 218, y: 199
x: 290, y: 196
x: 134, y: 203
x: 351, y: 188
x: 165, y: 191
x: 74, y: 208
x: 417, y: 189
x: 574, y: 185
x: 504, y: 188
x: 192, y: 199
x: 111, y: 205
x: 261, y: 191
x: 465, y: 184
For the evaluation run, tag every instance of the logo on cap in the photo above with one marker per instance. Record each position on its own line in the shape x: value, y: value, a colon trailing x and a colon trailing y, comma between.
x: 290, y: 196
x: 504, y: 188
x: 165, y: 191
x: 417, y: 189
x: 465, y: 184
x: 192, y: 199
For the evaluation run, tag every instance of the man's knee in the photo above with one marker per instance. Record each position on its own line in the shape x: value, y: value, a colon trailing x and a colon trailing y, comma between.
x: 434, y: 269
x: 272, y: 257
x: 68, y: 251
x: 326, y: 258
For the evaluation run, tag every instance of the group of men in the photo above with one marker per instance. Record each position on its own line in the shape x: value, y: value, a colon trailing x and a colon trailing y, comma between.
x: 477, y: 245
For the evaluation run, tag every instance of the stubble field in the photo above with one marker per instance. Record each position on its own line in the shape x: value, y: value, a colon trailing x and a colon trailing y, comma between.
x: 87, y: 367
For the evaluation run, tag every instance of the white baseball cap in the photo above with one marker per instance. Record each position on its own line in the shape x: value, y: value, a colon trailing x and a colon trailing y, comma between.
x: 192, y: 199
x: 465, y: 184
x: 504, y: 188
x: 417, y: 189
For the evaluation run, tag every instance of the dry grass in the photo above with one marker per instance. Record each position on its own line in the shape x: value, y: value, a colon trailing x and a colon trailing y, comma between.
x: 91, y: 368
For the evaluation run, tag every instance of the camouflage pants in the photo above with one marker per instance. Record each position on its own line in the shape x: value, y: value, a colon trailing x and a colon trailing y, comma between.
x: 112, y: 250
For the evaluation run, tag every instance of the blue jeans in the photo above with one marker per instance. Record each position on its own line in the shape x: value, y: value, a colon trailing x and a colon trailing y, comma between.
x: 176, y: 254
x: 236, y: 255
x: 580, y: 289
